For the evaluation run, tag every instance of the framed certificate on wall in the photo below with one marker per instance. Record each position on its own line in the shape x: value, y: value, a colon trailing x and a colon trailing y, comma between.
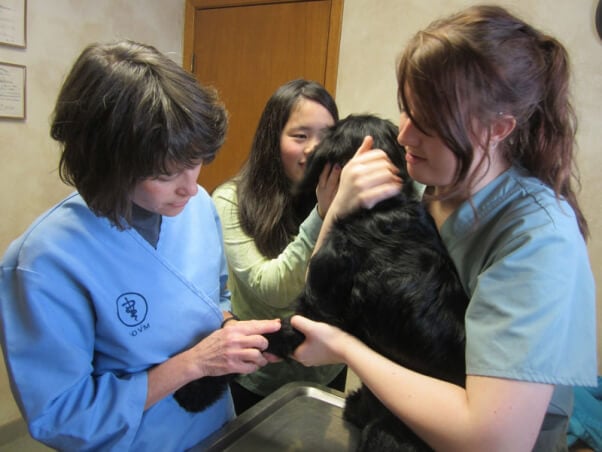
x: 13, y: 18
x: 12, y: 91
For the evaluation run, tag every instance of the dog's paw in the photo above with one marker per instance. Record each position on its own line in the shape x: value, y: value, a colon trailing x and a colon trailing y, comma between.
x: 283, y: 342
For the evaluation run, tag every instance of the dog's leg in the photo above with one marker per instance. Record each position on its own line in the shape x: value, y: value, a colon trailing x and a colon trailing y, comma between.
x: 202, y: 393
x: 388, y: 434
x: 283, y: 342
x: 381, y: 430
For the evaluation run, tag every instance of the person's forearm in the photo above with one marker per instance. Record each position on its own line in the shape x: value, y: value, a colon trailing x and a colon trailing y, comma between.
x: 414, y: 398
x: 491, y: 414
x: 326, y: 227
x: 169, y: 376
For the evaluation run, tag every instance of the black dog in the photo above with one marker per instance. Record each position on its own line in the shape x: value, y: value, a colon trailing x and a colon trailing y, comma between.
x: 203, y: 392
x: 384, y: 276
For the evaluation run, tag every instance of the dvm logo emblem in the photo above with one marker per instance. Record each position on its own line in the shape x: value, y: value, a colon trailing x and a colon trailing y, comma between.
x: 131, y: 308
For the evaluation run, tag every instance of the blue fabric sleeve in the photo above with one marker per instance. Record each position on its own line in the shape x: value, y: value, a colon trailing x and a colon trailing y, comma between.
x: 70, y: 407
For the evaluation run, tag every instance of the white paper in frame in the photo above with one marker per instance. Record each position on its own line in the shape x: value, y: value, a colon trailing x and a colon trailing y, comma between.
x: 13, y: 23
x: 12, y: 91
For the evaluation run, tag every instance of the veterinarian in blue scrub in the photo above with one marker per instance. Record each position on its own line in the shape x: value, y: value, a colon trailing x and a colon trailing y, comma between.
x: 489, y: 130
x: 114, y: 298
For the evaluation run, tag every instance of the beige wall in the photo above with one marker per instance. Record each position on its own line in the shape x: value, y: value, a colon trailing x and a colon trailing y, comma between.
x: 374, y: 31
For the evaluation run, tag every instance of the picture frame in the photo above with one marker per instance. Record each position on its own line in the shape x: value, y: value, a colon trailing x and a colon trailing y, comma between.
x: 599, y: 19
x: 12, y: 90
x: 13, y: 23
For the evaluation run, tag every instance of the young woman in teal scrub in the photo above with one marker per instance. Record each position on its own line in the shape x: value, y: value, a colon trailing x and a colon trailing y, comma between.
x: 489, y: 131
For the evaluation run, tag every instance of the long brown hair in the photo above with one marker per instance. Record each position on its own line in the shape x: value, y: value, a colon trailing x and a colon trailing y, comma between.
x: 483, y: 62
x: 268, y: 210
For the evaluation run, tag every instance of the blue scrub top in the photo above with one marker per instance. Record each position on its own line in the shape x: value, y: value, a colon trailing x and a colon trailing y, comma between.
x: 87, y: 309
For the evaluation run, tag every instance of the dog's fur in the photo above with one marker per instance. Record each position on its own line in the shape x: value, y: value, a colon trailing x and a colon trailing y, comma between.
x: 384, y: 276
x: 201, y: 393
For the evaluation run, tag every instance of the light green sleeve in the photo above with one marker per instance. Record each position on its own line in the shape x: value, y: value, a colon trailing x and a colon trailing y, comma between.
x: 262, y: 286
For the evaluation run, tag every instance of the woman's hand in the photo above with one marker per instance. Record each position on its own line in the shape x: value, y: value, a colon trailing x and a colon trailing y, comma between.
x: 327, y: 187
x: 324, y: 343
x: 368, y: 178
x: 236, y: 348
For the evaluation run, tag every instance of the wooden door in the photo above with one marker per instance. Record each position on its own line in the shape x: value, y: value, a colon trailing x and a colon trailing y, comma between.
x: 246, y: 49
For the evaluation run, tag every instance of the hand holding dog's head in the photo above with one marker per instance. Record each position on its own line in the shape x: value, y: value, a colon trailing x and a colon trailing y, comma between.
x: 342, y: 141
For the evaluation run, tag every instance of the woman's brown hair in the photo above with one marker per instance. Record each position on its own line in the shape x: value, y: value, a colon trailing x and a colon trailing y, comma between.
x: 268, y: 210
x: 485, y: 62
x: 126, y: 112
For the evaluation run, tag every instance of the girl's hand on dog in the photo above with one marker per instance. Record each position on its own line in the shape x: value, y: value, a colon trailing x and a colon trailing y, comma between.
x: 327, y: 187
x: 236, y: 348
x: 368, y: 178
x: 324, y: 343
